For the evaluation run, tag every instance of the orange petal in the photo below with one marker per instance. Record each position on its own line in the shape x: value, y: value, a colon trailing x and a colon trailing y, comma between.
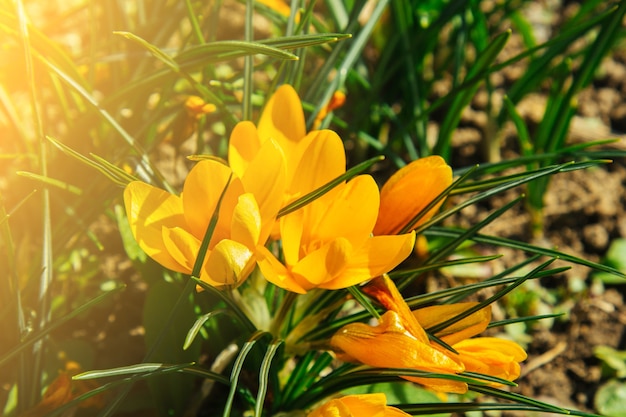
x: 243, y: 146
x: 385, y: 291
x: 275, y: 272
x: 463, y: 329
x: 283, y: 119
x: 149, y: 210
x: 378, y: 255
x: 373, y: 405
x: 409, y: 191
x: 389, y: 345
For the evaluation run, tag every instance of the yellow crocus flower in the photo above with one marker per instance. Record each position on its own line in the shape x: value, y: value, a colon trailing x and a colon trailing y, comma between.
x: 170, y: 228
x: 282, y: 120
x: 399, y: 341
x: 328, y: 243
x: 371, y: 405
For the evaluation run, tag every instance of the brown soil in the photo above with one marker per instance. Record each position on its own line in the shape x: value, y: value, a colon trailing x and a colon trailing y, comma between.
x: 584, y: 212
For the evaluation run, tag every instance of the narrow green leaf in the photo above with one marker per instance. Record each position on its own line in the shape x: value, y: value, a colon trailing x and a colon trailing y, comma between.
x: 237, y: 366
x: 518, y: 398
x: 51, y: 181
x: 156, y: 52
x: 434, y: 266
x: 109, y: 170
x: 447, y: 323
x: 140, y: 368
x: 462, y: 99
x: 145, y: 161
x: 197, y: 326
x: 37, y: 335
x: 264, y: 375
x: 128, y: 381
x: 204, y: 246
x: 514, y: 244
x: 364, y: 301
x: 506, y: 322
x: 6, y: 216
x: 223, y: 295
x: 522, y: 131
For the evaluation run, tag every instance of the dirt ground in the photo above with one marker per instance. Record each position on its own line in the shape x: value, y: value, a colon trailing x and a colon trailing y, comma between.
x: 584, y: 212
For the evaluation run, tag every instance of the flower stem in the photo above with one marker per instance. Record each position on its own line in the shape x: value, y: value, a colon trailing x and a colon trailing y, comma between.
x: 277, y: 322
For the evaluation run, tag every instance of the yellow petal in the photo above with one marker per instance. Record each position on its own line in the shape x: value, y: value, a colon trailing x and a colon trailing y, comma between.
x: 371, y: 405
x: 228, y: 264
x: 463, y: 329
x: 243, y: 146
x: 149, y: 210
x: 283, y: 119
x: 275, y: 272
x: 491, y: 356
x: 323, y: 264
x: 266, y: 178
x: 277, y: 5
x: 318, y: 159
x: 183, y: 247
x: 246, y: 222
x: 201, y: 192
x: 291, y: 230
x: 351, y: 213
x: 409, y: 191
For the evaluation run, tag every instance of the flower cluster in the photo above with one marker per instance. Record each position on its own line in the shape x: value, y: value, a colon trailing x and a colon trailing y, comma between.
x: 326, y: 244
x: 229, y: 220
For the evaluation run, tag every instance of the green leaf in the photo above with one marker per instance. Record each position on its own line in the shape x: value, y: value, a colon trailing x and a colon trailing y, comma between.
x: 197, y: 326
x: 166, y: 319
x: 616, y: 258
x: 462, y: 99
x: 610, y: 400
x: 115, y: 174
x: 35, y: 336
x: 51, y: 181
x: 140, y: 368
x: 131, y: 247
x: 237, y: 366
x: 264, y: 375
x: 614, y: 359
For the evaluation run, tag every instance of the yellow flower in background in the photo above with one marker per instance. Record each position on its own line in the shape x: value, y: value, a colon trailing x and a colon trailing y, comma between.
x: 337, y: 100
x: 409, y: 191
x: 399, y: 341
x: 370, y: 405
x: 170, y: 228
x: 279, y: 6
x: 328, y: 243
x: 312, y: 159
